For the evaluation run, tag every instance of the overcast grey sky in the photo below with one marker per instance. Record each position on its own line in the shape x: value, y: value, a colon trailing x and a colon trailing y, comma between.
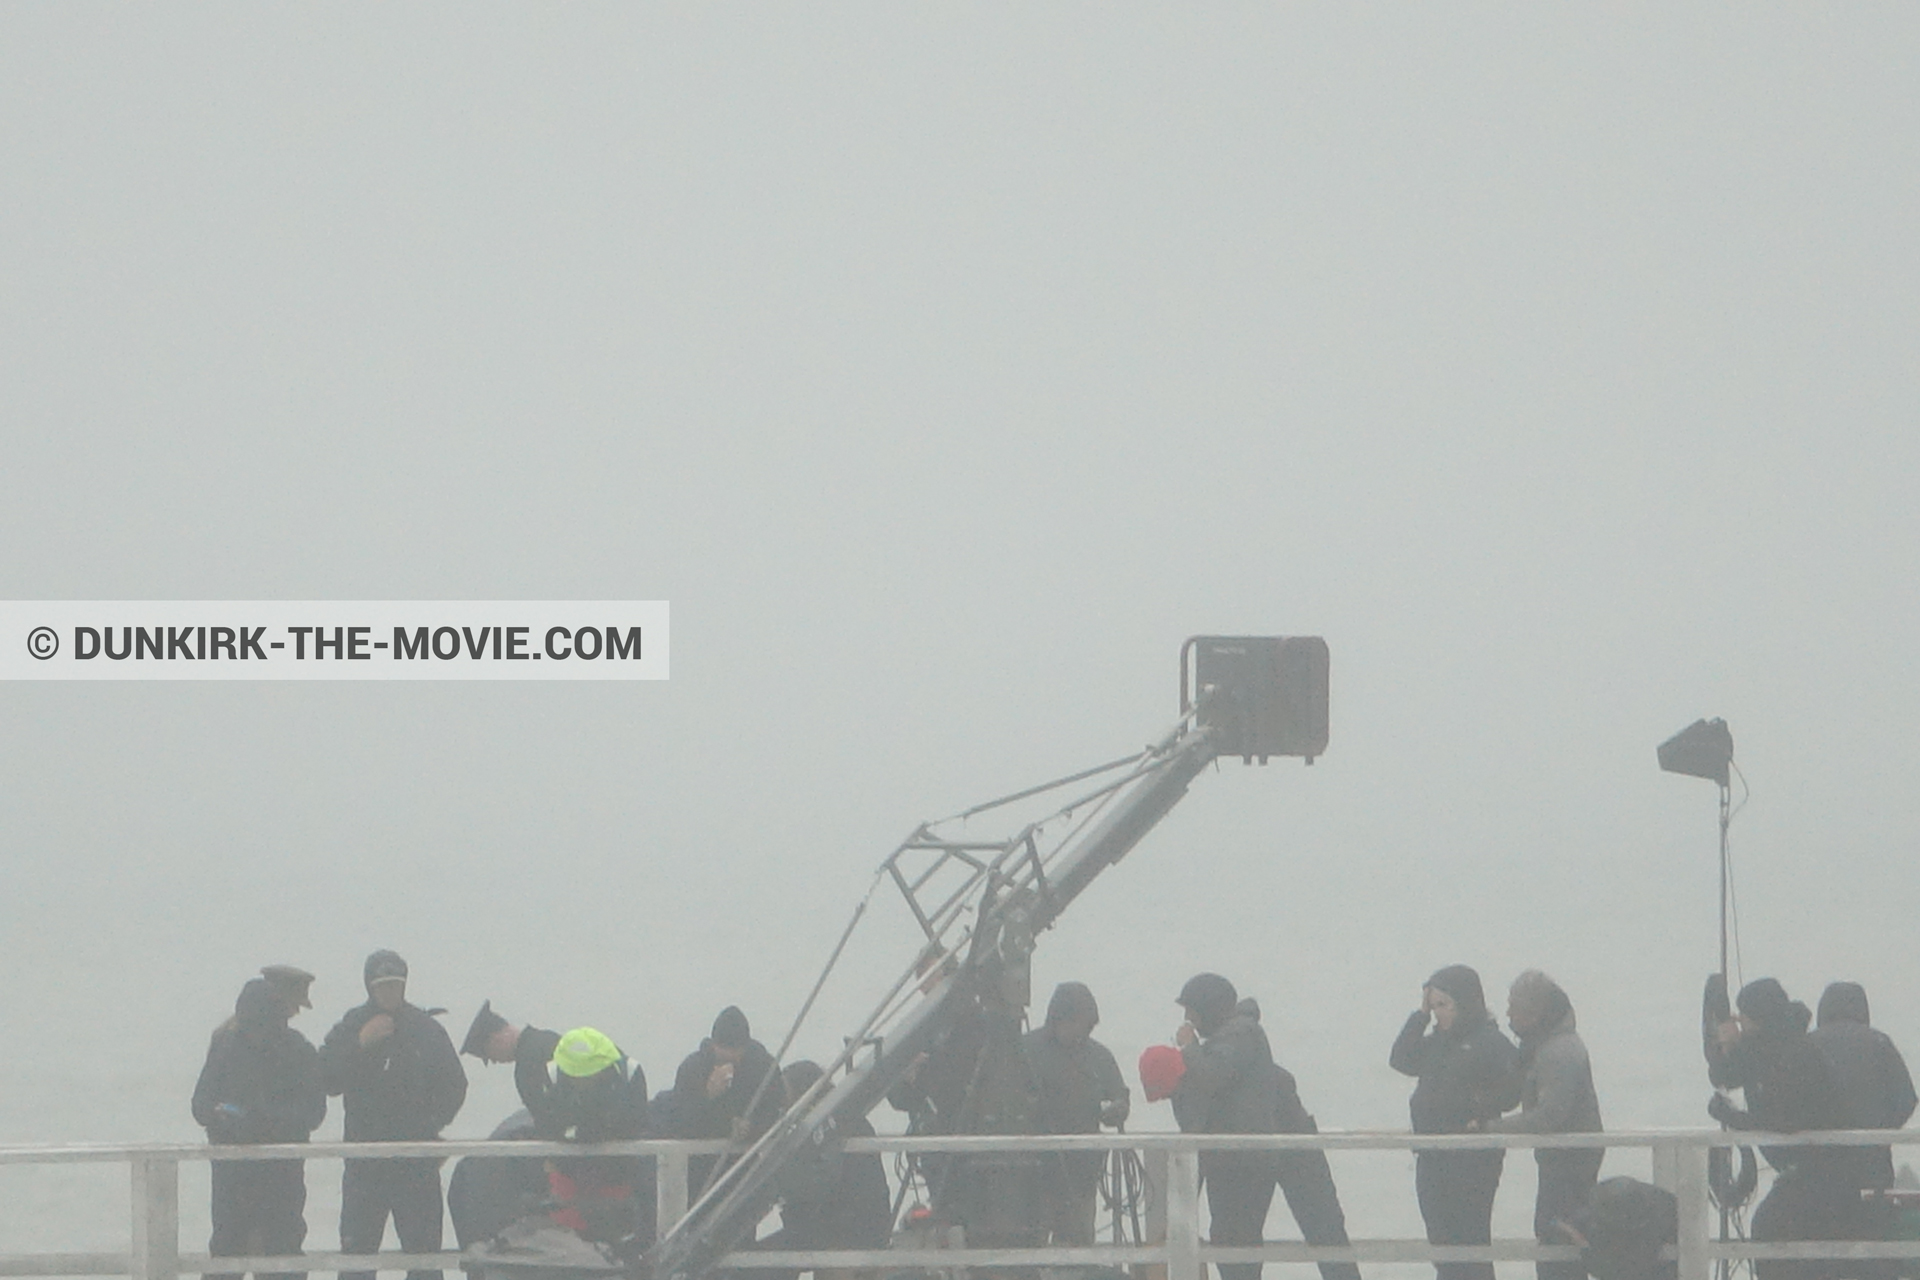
x: 945, y: 366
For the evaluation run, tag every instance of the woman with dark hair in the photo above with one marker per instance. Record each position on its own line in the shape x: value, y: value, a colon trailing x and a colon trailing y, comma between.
x: 1462, y: 1064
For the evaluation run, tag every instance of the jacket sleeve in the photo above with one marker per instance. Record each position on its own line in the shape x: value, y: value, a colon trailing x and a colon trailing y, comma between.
x: 447, y: 1079
x: 1557, y: 1078
x: 1900, y: 1095
x: 1494, y: 1061
x: 206, y: 1090
x: 1212, y: 1067
x: 1409, y: 1047
x: 342, y: 1059
x: 1113, y: 1086
x: 296, y: 1104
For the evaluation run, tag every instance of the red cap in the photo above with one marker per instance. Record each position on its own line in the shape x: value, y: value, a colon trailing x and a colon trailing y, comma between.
x: 1161, y: 1067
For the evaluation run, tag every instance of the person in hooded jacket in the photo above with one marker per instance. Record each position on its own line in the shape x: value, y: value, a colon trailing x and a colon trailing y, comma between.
x: 728, y: 1088
x: 1079, y: 1088
x: 829, y: 1199
x: 1463, y: 1064
x: 395, y: 1069
x: 1790, y: 1088
x: 1230, y: 1083
x: 1878, y: 1092
x: 1874, y: 1081
x: 1553, y: 1087
x: 260, y: 1084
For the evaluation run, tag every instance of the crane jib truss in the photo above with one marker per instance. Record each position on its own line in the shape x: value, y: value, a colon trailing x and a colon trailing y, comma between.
x: 979, y: 904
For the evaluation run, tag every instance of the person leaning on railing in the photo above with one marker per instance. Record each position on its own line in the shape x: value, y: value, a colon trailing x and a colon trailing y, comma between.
x: 1790, y: 1088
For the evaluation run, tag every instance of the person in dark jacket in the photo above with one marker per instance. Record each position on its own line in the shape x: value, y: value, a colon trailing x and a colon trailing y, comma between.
x: 727, y: 1088
x: 260, y: 1084
x: 485, y: 1193
x: 1463, y: 1065
x: 491, y: 1038
x: 1873, y: 1077
x: 1878, y: 1092
x: 394, y: 1068
x: 1231, y: 1084
x: 598, y: 1095
x: 1080, y: 1088
x: 1790, y: 1088
x: 1553, y: 1087
x: 974, y: 1079
x: 829, y: 1199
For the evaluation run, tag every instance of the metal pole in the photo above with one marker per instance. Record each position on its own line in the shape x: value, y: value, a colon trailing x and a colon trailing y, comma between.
x: 1691, y: 1162
x: 155, y: 1251
x: 670, y: 1189
x: 1183, y: 1215
x: 1726, y: 978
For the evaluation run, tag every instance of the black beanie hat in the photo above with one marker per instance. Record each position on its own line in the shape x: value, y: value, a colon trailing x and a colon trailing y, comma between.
x: 1766, y: 1002
x: 730, y: 1028
x: 1463, y: 984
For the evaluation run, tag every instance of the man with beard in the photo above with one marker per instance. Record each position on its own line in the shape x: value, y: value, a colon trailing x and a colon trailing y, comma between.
x: 1553, y: 1088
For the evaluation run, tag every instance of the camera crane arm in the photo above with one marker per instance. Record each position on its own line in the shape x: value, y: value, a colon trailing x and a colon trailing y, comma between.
x: 1249, y: 698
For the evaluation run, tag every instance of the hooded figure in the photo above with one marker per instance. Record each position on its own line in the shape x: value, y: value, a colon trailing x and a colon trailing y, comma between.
x: 1231, y: 1084
x: 1875, y: 1086
x: 830, y: 1199
x: 1553, y: 1086
x: 1079, y: 1088
x: 260, y: 1084
x: 1463, y: 1066
x: 1790, y: 1088
x: 400, y: 1080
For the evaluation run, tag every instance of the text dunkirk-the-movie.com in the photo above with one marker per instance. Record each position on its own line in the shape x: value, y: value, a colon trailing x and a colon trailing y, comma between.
x: 333, y: 640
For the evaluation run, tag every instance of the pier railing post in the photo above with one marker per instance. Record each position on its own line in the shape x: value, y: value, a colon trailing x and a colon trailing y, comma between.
x: 1183, y: 1215
x: 1691, y: 1191
x: 670, y: 1189
x: 155, y: 1251
x: 1155, y: 1165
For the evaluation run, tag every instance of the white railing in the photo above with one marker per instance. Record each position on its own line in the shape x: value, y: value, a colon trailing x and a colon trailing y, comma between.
x: 1679, y: 1159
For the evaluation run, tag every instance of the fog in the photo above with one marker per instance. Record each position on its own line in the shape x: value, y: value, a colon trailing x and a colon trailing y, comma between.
x: 945, y: 367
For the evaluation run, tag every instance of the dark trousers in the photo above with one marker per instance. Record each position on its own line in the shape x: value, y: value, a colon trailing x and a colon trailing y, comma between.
x: 1456, y: 1189
x: 1567, y: 1180
x: 1240, y: 1193
x: 1805, y: 1205
x: 259, y: 1207
x: 409, y: 1191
